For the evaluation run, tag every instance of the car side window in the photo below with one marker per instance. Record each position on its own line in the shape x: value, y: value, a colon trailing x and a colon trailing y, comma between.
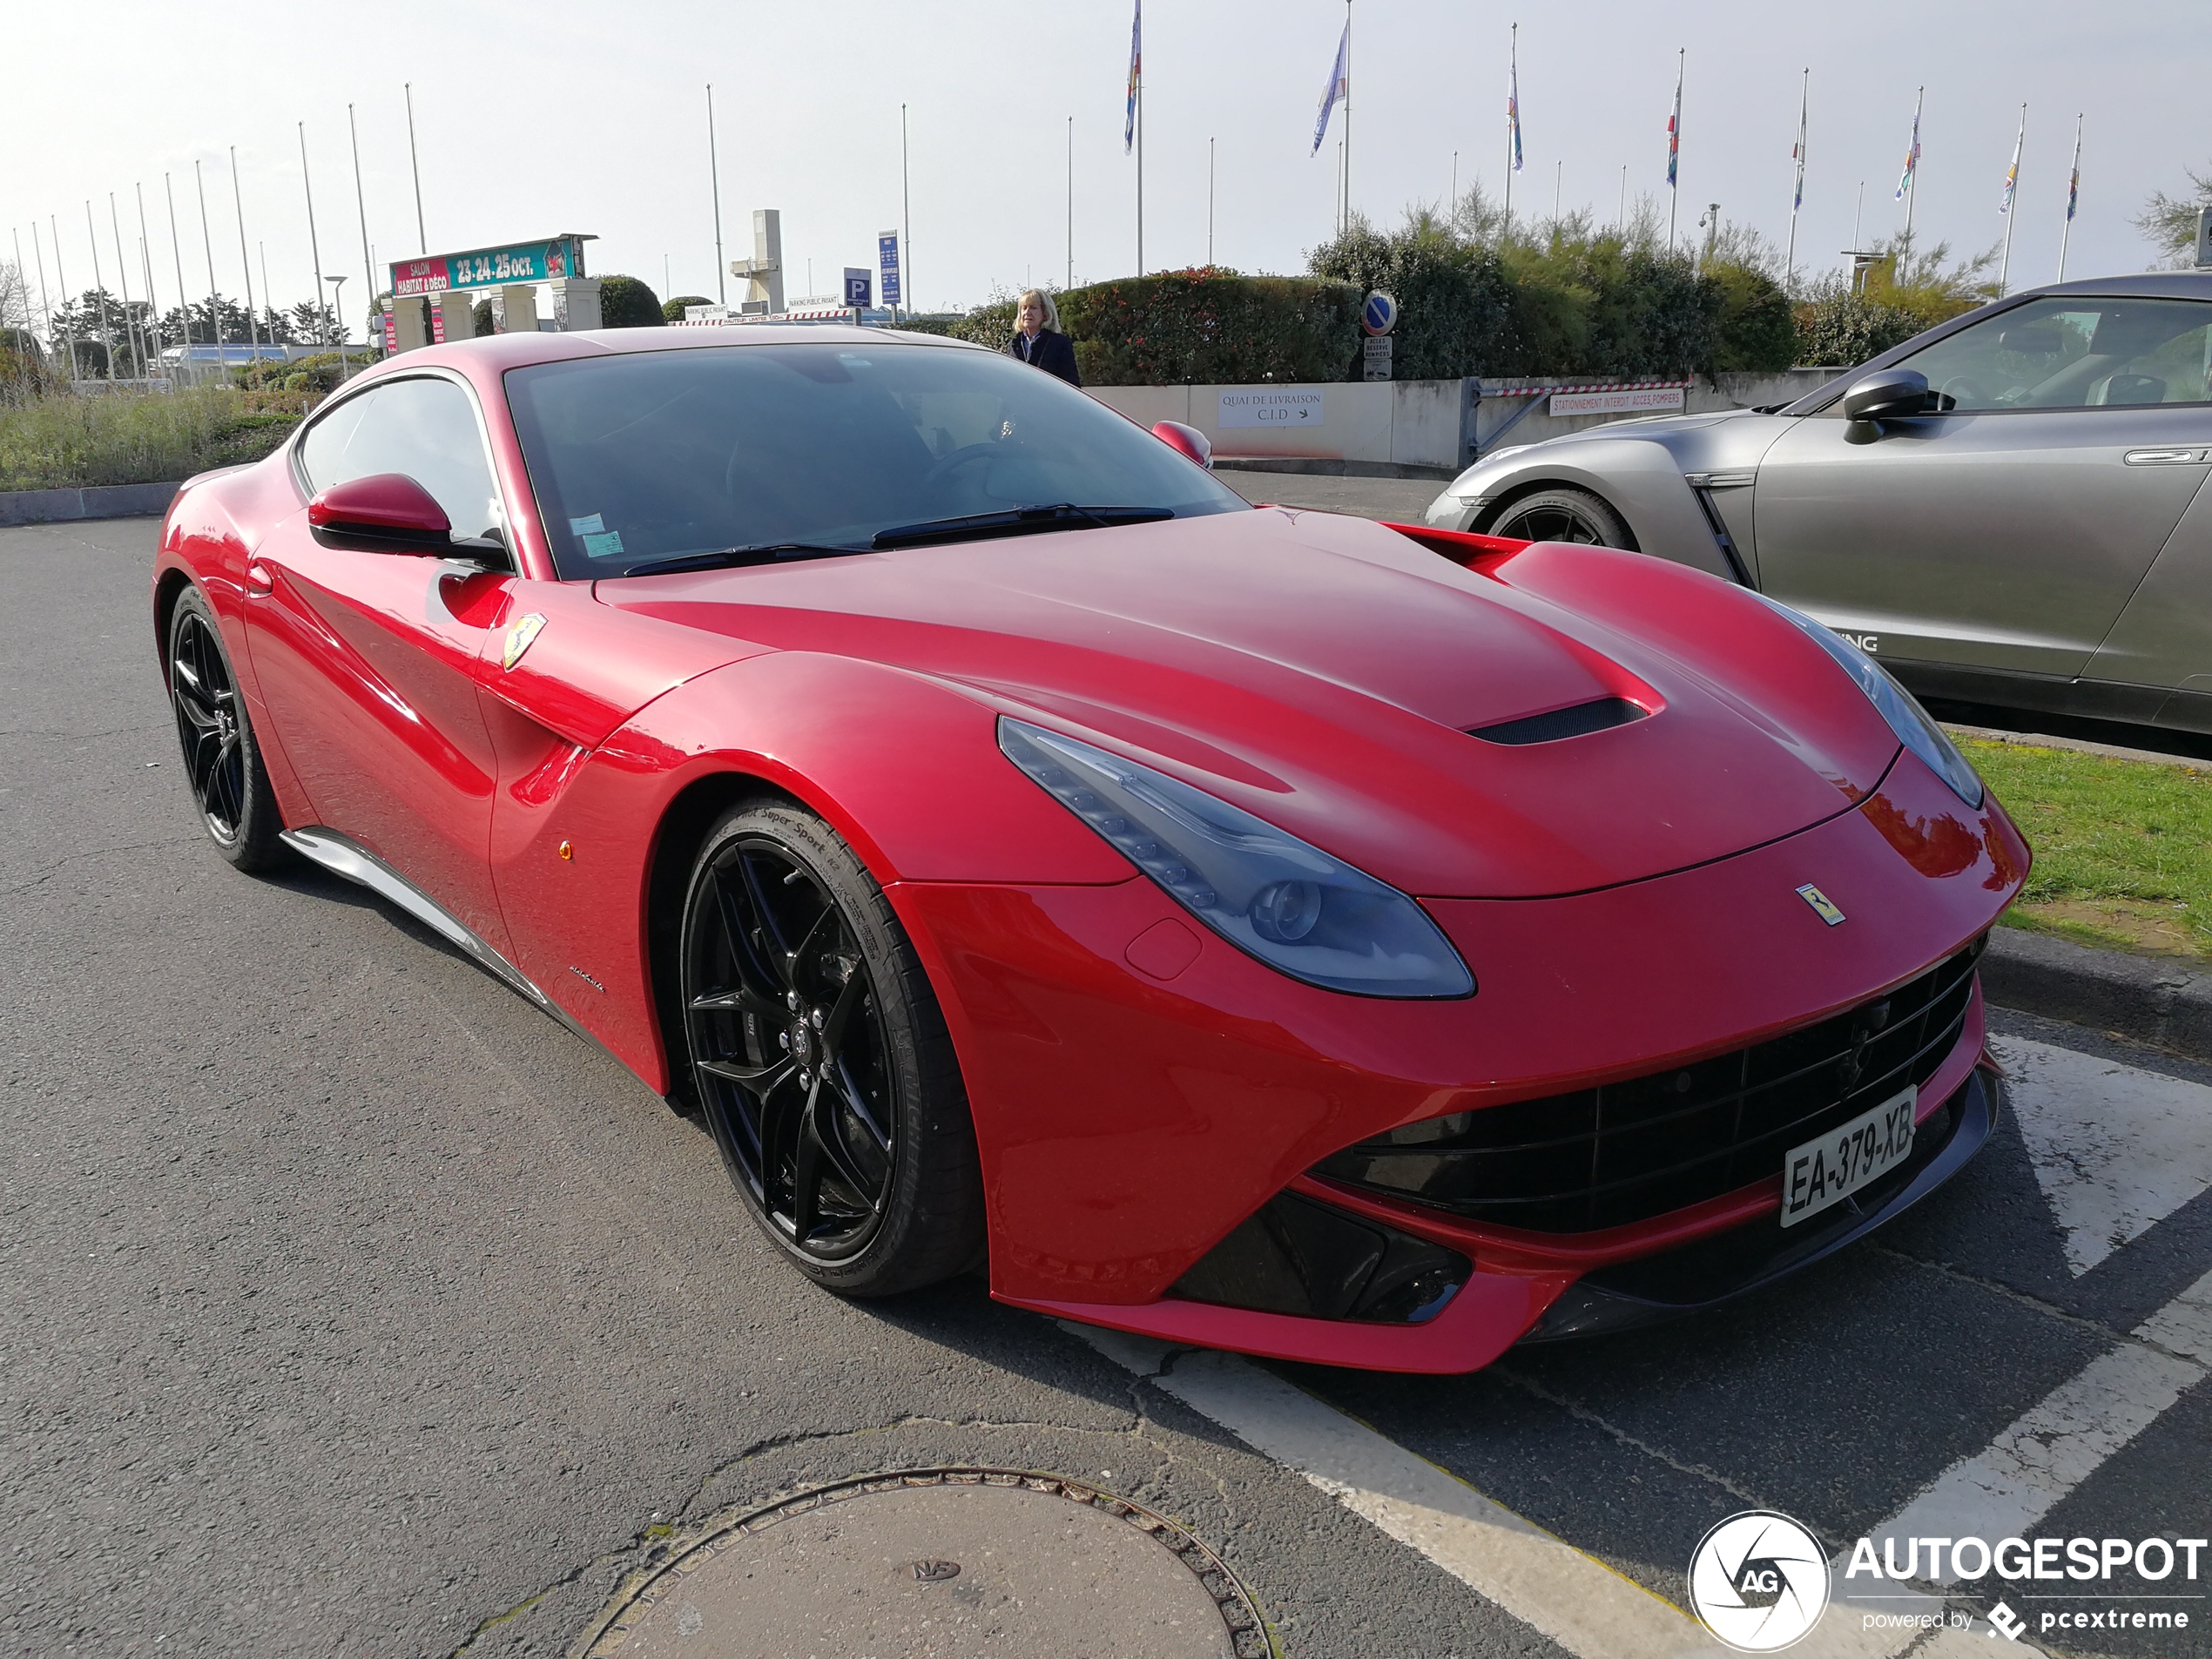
x: 2074, y: 354
x: 421, y: 426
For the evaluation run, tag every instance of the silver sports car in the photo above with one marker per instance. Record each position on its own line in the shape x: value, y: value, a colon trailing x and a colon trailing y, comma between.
x: 2007, y: 509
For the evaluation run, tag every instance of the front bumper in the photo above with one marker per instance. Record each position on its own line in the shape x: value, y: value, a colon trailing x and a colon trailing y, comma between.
x: 1133, y: 1107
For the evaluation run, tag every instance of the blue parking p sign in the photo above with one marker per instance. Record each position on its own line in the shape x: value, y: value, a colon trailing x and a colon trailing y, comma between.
x: 859, y: 288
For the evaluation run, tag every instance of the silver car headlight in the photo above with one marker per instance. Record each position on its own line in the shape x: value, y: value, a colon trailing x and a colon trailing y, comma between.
x: 1271, y: 895
x: 1916, y: 729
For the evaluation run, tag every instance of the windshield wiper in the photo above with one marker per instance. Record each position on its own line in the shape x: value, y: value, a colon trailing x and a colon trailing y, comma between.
x: 766, y: 553
x: 1021, y: 521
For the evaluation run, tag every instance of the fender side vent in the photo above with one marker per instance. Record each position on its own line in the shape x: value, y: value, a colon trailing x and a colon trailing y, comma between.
x: 1581, y: 719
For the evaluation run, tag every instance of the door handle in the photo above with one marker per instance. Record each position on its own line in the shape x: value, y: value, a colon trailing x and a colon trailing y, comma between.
x: 258, y: 579
x: 2174, y: 458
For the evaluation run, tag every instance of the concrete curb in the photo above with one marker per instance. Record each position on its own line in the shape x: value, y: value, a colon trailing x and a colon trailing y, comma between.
x: 2157, y: 1001
x: 98, y: 500
x: 1333, y: 468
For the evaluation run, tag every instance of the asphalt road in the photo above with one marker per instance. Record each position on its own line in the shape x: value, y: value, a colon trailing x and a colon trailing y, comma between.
x: 354, y: 1307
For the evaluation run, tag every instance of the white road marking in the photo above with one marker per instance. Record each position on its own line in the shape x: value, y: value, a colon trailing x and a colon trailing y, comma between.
x: 2116, y: 1149
x: 1575, y: 1600
x: 2024, y: 1472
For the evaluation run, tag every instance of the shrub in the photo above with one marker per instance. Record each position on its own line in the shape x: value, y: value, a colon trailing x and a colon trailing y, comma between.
x: 625, y: 302
x: 1842, y: 328
x: 1756, y: 333
x: 673, y: 310
x: 480, y: 319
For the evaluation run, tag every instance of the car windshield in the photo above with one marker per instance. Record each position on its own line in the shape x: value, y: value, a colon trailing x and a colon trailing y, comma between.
x: 656, y: 456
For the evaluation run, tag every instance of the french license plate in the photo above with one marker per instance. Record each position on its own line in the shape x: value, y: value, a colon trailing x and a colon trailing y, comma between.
x: 1829, y: 1169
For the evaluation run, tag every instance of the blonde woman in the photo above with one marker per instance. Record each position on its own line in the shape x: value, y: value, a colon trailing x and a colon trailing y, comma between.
x: 1037, y: 339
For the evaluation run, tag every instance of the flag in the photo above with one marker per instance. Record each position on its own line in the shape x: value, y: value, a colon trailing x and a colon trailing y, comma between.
x: 1339, y: 86
x: 1674, y: 132
x: 2013, y: 173
x: 2073, y: 180
x: 1513, y: 104
x: 1797, y: 154
x: 1136, y: 73
x: 1912, y: 158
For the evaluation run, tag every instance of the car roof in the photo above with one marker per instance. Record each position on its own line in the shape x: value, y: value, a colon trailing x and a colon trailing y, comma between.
x: 499, y: 353
x: 2142, y: 284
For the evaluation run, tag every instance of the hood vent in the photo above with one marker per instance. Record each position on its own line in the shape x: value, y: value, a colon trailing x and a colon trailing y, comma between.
x: 1574, y: 722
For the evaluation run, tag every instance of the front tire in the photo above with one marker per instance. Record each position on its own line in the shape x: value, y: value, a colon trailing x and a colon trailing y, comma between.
x: 822, y: 1061
x: 1563, y: 514
x: 222, y: 761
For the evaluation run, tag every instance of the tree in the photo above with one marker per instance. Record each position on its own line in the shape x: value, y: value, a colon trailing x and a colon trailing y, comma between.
x: 673, y: 310
x: 625, y: 302
x: 2170, y: 222
x: 312, y: 325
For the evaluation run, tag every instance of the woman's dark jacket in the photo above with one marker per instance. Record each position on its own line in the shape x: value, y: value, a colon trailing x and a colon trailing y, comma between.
x: 1054, y: 354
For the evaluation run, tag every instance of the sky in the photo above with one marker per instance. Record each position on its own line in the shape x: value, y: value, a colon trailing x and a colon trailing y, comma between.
x: 553, y: 115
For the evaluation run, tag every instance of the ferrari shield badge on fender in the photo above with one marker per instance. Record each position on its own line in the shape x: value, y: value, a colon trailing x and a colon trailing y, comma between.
x: 1823, y: 905
x: 525, y: 629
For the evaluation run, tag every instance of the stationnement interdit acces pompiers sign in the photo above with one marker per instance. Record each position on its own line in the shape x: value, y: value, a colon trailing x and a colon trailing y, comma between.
x: 490, y: 267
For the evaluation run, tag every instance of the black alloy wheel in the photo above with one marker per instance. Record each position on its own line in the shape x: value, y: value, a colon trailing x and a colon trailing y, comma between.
x: 222, y: 762
x: 821, y: 1059
x: 1563, y: 515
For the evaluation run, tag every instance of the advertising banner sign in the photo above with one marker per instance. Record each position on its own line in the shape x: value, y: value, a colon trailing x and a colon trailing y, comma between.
x: 489, y: 267
x: 887, y: 248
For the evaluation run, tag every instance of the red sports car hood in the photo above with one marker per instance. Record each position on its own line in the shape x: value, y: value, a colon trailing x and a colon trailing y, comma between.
x: 1325, y: 674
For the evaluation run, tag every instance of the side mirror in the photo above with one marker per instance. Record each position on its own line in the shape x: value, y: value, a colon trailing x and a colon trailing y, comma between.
x: 1887, y: 396
x: 1186, y: 440
x: 386, y: 513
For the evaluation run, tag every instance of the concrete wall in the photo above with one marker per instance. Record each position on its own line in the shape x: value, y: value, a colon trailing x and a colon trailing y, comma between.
x: 1372, y: 423
x: 100, y: 500
x: 1408, y: 427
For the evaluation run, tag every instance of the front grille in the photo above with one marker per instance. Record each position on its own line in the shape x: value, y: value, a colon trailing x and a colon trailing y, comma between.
x: 1627, y: 1151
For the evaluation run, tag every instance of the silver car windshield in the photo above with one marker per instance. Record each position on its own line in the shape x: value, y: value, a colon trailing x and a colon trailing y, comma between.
x: 2073, y: 353
x: 657, y: 455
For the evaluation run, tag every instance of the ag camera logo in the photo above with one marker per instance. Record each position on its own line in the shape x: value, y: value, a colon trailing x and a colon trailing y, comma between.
x: 1758, y: 1582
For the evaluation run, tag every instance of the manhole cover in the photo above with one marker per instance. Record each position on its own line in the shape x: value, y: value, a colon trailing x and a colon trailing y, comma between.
x: 936, y: 1562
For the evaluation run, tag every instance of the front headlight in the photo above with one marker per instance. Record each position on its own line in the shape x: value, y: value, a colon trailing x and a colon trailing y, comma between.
x: 1270, y: 894
x: 1916, y: 729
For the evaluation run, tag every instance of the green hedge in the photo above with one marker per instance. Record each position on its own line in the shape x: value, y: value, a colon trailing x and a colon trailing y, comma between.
x: 1205, y: 325
x: 673, y: 310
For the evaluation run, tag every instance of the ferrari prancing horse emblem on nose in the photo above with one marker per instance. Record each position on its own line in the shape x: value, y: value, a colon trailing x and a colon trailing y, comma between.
x: 519, y: 636
x: 1823, y: 905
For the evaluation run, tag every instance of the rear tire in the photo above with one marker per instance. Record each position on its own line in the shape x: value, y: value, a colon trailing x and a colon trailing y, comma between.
x: 822, y: 1061
x: 222, y: 762
x: 1563, y: 514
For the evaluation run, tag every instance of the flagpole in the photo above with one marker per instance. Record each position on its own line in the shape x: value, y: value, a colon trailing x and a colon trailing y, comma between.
x: 177, y: 254
x: 714, y: 176
x: 1674, y: 147
x: 2011, y: 200
x: 315, y: 243
x: 1209, y: 144
x: 1797, y: 200
x: 421, y: 235
x: 1513, y: 76
x: 1913, y: 177
x: 2072, y: 189
x: 1071, y: 207
x: 1140, y: 146
x: 238, y: 201
x: 145, y: 265
x: 906, y: 219
x: 1347, y: 114
x: 361, y: 208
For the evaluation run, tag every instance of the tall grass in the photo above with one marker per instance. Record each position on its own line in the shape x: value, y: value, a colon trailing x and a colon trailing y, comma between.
x: 60, y: 440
